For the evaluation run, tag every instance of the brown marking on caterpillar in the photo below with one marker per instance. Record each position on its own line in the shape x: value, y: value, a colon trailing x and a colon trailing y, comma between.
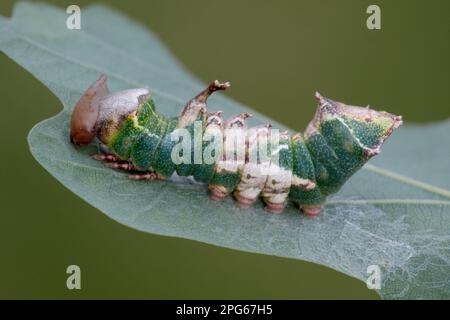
x: 214, y: 118
x: 85, y: 113
x: 305, y: 184
x: 238, y: 121
x: 197, y: 105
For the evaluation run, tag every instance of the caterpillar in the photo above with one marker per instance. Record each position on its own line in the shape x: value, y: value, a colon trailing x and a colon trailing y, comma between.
x: 304, y: 167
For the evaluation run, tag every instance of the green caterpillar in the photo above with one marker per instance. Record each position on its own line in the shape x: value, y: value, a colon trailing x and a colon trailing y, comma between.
x: 305, y: 167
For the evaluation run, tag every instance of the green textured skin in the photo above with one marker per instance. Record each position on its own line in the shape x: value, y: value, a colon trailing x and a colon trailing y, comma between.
x: 160, y: 164
x: 204, y: 172
x: 188, y: 169
x: 123, y: 141
x: 228, y: 180
x: 326, y: 157
x: 303, y: 166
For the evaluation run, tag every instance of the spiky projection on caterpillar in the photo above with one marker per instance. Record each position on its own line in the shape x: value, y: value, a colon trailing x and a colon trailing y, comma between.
x: 309, y: 166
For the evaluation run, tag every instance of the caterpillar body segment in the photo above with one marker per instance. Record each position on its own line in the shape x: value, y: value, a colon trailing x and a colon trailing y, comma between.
x: 304, y: 167
x: 253, y: 174
x: 226, y: 171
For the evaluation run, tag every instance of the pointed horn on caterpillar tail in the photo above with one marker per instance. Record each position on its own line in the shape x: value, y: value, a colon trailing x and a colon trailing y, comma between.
x: 371, y: 128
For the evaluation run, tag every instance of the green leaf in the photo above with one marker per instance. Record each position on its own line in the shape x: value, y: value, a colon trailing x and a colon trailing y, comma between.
x: 394, y: 213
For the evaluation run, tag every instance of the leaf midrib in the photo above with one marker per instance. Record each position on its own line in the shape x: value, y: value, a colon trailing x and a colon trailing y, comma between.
x: 407, y: 180
x: 392, y: 201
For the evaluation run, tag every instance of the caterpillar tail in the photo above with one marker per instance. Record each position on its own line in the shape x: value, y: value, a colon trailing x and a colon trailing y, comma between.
x: 304, y: 168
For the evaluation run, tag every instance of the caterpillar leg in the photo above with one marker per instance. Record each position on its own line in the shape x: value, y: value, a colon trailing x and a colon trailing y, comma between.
x: 124, y: 165
x: 275, y: 208
x: 216, y: 193
x: 106, y: 157
x: 144, y: 176
x: 113, y: 162
x: 311, y: 211
x: 128, y: 166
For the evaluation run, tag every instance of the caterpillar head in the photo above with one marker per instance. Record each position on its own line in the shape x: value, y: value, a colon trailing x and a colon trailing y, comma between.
x: 370, y: 127
x: 100, y: 113
x: 85, y: 113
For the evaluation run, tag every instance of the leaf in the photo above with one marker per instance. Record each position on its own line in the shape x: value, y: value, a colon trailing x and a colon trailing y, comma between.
x: 394, y: 213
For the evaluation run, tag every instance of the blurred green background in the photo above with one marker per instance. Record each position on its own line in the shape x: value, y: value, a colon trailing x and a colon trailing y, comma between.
x: 276, y: 54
